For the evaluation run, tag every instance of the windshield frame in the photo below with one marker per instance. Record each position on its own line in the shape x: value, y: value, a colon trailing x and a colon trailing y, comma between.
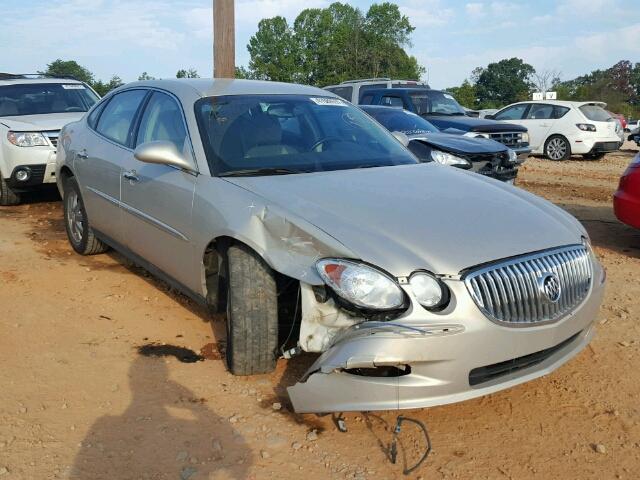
x: 60, y: 86
x: 397, y: 153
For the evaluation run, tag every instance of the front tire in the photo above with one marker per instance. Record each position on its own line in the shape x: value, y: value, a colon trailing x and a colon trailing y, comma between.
x: 252, y: 313
x: 79, y: 232
x: 557, y: 148
x: 7, y: 196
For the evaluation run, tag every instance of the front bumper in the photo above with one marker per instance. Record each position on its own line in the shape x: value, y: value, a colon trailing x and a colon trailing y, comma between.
x: 438, y: 359
x: 40, y: 160
x: 522, y: 152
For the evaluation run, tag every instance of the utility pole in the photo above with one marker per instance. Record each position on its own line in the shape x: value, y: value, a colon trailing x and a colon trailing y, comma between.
x: 224, y: 43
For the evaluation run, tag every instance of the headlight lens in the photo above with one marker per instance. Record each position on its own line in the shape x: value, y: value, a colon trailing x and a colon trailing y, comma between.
x: 525, y: 137
x: 513, y: 156
x: 27, y: 139
x: 360, y: 284
x: 448, y: 159
x: 430, y: 292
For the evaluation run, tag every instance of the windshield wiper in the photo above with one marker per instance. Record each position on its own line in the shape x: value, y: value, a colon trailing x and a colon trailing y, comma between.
x: 250, y: 172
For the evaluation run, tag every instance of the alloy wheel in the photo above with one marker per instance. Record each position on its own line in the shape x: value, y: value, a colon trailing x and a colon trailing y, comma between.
x: 75, y: 218
x: 556, y: 149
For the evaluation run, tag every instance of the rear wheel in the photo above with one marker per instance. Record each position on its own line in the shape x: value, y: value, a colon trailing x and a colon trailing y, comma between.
x: 79, y: 232
x: 252, y: 313
x: 557, y: 148
x: 7, y: 196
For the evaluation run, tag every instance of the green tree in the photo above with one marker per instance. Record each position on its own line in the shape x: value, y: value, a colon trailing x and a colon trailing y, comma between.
x: 327, y: 45
x: 69, y: 68
x: 243, y: 73
x: 102, y: 88
x: 503, y: 82
x: 191, y: 73
x: 145, y: 76
x: 465, y: 94
x: 274, y: 54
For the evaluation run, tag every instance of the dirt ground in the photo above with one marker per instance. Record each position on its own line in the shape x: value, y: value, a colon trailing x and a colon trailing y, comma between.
x: 78, y: 401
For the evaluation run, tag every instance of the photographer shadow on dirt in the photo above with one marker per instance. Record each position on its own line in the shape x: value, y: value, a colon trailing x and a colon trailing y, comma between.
x: 165, y: 432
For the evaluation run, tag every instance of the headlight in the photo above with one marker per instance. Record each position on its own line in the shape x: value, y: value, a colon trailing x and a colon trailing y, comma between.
x: 586, y: 127
x: 448, y: 159
x: 513, y: 156
x: 430, y: 292
x: 524, y: 137
x: 360, y: 284
x: 477, y: 135
x: 27, y: 139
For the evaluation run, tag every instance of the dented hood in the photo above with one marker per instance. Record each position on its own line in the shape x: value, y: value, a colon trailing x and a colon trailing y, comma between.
x: 424, y: 216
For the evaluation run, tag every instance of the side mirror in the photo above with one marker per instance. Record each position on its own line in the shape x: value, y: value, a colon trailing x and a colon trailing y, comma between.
x: 401, y: 137
x: 161, y: 153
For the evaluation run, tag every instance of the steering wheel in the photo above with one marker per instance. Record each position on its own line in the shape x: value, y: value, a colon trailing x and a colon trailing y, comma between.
x: 73, y: 109
x: 324, y: 140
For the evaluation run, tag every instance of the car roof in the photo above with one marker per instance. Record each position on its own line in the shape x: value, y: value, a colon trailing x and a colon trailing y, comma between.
x: 209, y: 87
x: 399, y: 89
x: 384, y: 108
x: 562, y: 103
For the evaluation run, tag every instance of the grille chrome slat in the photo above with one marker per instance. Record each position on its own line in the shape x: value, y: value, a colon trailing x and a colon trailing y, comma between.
x: 510, y: 292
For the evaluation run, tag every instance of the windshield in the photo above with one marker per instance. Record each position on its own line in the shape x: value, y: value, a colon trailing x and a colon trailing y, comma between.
x: 43, y: 98
x: 277, y: 134
x: 396, y: 120
x: 595, y: 113
x: 435, y: 103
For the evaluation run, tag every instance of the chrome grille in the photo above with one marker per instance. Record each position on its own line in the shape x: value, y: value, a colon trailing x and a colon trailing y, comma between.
x: 512, y: 292
x: 53, y: 137
x: 510, y: 139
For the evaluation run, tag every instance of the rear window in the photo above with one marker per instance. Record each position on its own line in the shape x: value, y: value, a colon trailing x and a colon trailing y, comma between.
x: 344, y: 92
x: 595, y: 113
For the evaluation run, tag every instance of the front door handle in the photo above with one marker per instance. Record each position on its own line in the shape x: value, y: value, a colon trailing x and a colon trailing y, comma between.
x: 132, y: 176
x: 82, y: 154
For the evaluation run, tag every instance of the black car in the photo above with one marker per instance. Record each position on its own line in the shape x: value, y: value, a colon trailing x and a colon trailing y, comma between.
x: 483, y: 156
x: 442, y: 110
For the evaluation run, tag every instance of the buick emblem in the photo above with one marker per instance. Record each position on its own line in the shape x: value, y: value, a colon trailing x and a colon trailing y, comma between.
x: 549, y: 285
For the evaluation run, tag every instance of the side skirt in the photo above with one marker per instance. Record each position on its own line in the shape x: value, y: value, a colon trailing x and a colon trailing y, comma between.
x: 152, y: 269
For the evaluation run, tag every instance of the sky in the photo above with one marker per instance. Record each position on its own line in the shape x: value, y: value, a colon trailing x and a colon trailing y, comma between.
x: 451, y: 37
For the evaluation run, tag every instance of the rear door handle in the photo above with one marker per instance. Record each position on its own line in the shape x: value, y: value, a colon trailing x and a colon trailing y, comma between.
x: 132, y: 176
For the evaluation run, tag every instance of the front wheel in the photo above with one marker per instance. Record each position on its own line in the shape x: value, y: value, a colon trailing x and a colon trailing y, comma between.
x: 557, y: 148
x: 7, y: 196
x: 79, y: 232
x: 252, y: 313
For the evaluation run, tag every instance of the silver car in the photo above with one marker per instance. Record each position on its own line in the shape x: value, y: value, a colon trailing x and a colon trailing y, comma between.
x: 299, y: 215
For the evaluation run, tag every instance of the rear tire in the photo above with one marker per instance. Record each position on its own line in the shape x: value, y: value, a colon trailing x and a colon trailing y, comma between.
x: 252, y: 313
x: 7, y: 196
x: 79, y: 232
x: 557, y: 148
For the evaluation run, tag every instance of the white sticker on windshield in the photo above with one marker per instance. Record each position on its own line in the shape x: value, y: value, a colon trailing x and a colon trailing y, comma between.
x: 73, y: 86
x: 328, y: 101
x: 446, y: 95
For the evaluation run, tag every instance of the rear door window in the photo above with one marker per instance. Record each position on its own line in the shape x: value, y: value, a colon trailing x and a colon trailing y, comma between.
x: 540, y: 111
x: 559, y: 112
x: 344, y: 92
x: 117, y: 117
x: 516, y: 112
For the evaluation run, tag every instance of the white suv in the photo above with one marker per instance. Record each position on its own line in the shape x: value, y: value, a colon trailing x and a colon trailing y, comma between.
x: 33, y: 109
x: 558, y: 129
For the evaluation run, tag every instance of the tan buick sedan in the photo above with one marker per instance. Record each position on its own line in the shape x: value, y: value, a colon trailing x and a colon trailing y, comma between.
x: 307, y: 221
